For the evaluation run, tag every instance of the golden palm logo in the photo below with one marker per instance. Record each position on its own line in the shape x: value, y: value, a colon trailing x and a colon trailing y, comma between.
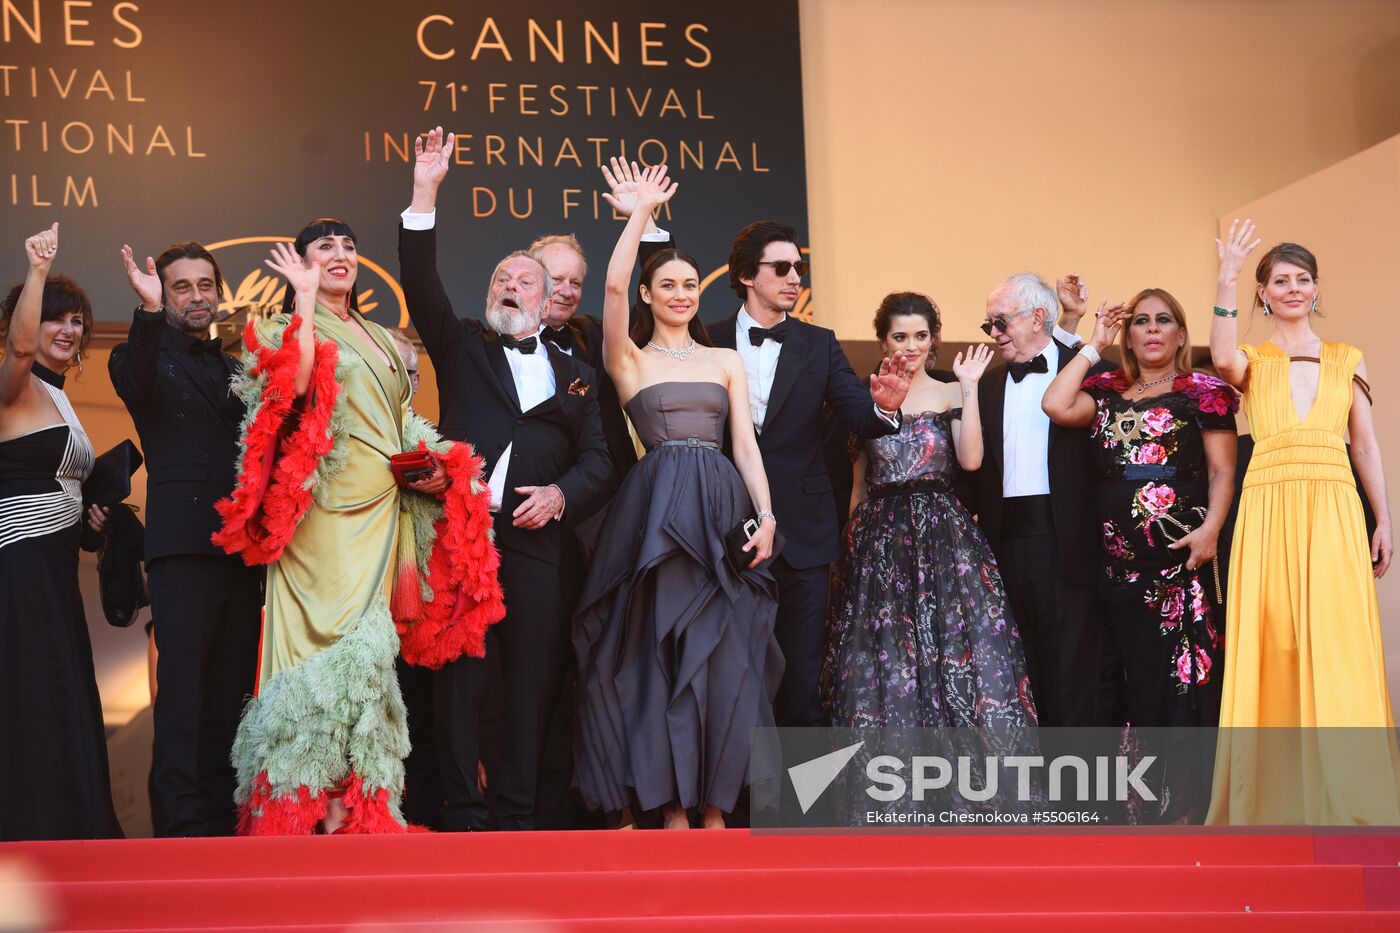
x: 261, y: 292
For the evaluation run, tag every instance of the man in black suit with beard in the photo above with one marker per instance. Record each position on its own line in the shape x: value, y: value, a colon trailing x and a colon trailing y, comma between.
x: 174, y: 381
x: 795, y: 371
x: 1035, y: 502
x: 531, y: 412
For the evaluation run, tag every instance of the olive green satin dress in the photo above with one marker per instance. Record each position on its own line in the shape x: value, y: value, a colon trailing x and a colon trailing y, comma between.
x: 342, y: 557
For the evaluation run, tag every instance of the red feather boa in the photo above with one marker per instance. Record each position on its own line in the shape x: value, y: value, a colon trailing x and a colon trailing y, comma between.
x: 283, y: 444
x: 462, y: 571
x: 286, y: 439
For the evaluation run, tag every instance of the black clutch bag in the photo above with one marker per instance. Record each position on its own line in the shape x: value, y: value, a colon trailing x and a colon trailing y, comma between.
x: 740, y: 535
x: 736, y: 539
x: 110, y: 479
x: 1182, y: 526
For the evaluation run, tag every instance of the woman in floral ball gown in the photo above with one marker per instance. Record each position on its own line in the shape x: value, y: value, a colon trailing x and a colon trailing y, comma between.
x: 1165, y: 442
x: 919, y: 633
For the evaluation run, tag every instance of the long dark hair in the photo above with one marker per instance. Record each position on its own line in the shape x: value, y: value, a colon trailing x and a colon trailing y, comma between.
x: 322, y: 226
x: 644, y: 323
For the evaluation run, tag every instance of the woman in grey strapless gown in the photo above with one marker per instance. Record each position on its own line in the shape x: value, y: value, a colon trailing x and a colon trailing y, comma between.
x: 676, y: 653
x: 674, y: 640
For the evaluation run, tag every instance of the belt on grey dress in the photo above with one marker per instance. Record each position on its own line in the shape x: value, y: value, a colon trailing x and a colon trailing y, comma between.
x: 689, y: 442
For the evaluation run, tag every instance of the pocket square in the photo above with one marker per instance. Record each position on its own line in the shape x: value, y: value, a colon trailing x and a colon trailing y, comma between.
x: 579, y: 387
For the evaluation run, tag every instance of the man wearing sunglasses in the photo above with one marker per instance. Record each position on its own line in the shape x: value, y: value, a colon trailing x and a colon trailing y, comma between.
x: 1035, y: 499
x: 795, y: 371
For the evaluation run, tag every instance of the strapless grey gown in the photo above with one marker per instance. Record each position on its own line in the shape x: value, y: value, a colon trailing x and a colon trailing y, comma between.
x: 677, y: 659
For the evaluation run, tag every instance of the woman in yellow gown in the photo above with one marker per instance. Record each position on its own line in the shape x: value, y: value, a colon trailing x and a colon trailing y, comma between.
x: 359, y: 567
x: 1303, y: 647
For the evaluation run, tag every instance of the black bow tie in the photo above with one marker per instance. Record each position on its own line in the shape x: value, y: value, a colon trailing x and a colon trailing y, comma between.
x: 213, y: 345
x: 526, y: 345
x: 777, y: 333
x: 1035, y: 364
x: 562, y: 337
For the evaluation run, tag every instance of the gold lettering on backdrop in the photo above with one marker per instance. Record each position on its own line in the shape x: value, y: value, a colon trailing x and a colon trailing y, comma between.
x: 690, y: 37
x: 63, y: 136
x: 136, y: 35
x: 655, y: 43
x: 160, y: 139
x: 73, y: 195
x: 539, y: 151
x: 499, y: 44
x: 495, y: 146
x: 96, y: 83
x: 32, y: 25
x: 569, y: 202
x: 648, y: 44
x: 70, y: 20
x: 78, y: 137
x: 566, y: 151
x: 477, y: 192
x: 591, y: 33
x: 554, y: 90
x: 529, y: 203
x: 556, y: 48
x: 422, y: 43
x: 526, y: 96
x: 13, y: 20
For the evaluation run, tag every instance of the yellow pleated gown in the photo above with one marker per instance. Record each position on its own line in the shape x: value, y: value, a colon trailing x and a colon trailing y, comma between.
x: 1303, y: 639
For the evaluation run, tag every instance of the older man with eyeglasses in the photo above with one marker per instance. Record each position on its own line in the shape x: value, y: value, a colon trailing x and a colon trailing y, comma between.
x: 1035, y: 500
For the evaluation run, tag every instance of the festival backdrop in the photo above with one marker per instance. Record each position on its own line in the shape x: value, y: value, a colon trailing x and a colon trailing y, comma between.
x: 151, y: 121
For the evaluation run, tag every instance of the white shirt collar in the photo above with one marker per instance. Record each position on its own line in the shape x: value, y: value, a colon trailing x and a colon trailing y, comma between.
x: 746, y: 322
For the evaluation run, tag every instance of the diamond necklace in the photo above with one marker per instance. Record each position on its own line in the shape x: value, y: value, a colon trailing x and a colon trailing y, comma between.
x: 681, y: 354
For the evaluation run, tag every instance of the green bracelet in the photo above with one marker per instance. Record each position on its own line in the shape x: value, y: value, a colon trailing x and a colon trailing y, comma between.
x: 1226, y: 312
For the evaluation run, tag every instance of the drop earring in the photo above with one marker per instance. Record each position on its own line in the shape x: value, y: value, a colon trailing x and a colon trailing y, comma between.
x: 79, y: 357
x: 1314, y: 306
x: 1267, y: 310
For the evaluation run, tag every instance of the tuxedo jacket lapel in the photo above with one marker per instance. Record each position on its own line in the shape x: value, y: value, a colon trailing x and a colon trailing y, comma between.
x: 496, y: 356
x: 722, y: 333
x: 995, y: 407
x: 790, y: 361
x: 198, y: 379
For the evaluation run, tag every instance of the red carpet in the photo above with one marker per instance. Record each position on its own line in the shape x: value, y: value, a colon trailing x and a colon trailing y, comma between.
x: 703, y: 880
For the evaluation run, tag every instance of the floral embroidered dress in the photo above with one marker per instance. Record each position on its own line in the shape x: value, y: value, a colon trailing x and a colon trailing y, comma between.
x: 1152, y: 462
x: 919, y: 633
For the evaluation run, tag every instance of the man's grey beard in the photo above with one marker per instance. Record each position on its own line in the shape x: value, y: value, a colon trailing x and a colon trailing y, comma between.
x: 181, y: 322
x: 505, y: 321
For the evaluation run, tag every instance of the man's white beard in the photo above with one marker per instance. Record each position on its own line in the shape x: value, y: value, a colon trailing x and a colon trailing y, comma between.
x: 505, y: 321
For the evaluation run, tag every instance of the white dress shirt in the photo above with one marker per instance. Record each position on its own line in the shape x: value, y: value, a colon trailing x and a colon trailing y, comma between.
x: 534, y: 382
x: 761, y: 363
x: 1026, y: 431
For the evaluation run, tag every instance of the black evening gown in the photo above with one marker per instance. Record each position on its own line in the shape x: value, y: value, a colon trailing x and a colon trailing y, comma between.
x: 677, y: 661
x: 53, y: 751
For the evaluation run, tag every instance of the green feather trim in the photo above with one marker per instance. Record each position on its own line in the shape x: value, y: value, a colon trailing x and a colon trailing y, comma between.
x: 338, y: 711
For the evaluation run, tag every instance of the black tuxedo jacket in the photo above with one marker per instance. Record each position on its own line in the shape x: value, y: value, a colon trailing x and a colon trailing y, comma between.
x: 588, y: 345
x: 812, y: 373
x: 559, y: 441
x: 188, y: 420
x: 1072, y: 477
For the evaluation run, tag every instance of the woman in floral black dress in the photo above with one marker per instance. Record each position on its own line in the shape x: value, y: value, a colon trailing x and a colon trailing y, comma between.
x: 1165, y: 443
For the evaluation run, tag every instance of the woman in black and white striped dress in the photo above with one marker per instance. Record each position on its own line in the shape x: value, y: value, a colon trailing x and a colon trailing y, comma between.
x: 53, y: 755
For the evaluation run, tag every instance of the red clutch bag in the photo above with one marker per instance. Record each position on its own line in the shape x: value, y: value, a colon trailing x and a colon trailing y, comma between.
x: 412, y: 467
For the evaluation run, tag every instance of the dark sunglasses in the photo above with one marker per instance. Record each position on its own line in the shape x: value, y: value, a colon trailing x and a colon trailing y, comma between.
x: 781, y: 267
x: 999, y: 322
